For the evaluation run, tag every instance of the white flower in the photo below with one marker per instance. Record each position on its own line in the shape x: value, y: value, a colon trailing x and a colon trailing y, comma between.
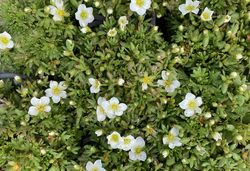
x: 57, y: 11
x: 127, y: 143
x: 217, y: 136
x: 97, y: 166
x: 99, y: 132
x: 123, y: 21
x: 39, y: 105
x: 191, y: 104
x: 140, y: 6
x: 100, y: 112
x: 146, y: 80
x: 120, y: 81
x: 113, y: 107
x: 112, y: 32
x: 189, y: 7
x: 84, y: 15
x: 137, y: 152
x: 114, y: 140
x: 5, y: 41
x: 172, y: 138
x: 169, y: 85
x: 206, y: 15
x: 56, y: 91
x: 95, y: 85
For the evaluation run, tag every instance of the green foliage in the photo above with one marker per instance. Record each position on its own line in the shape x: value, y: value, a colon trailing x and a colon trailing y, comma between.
x: 201, y: 54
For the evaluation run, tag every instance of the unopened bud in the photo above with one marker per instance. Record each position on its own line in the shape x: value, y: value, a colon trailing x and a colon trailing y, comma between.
x: 233, y: 74
x: 27, y: 9
x: 120, y: 81
x: 239, y: 137
x: 207, y: 115
x: 42, y: 151
x: 239, y: 56
x: 18, y: 79
x: 243, y: 88
x: 110, y: 11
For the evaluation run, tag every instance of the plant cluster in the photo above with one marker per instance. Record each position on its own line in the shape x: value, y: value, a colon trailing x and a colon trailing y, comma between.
x: 118, y: 85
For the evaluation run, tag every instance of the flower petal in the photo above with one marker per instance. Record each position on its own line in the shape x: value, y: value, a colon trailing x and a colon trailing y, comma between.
x: 188, y: 113
x: 56, y: 99
x: 33, y: 111
x: 174, y: 131
x: 189, y: 96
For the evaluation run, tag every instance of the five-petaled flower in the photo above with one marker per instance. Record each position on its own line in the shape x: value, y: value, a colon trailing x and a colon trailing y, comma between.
x: 137, y: 152
x: 189, y: 7
x: 127, y: 143
x: 172, y: 138
x: 97, y: 166
x: 146, y: 80
x: 206, y: 15
x: 95, y: 85
x: 84, y: 15
x: 140, y: 6
x: 57, y: 10
x: 39, y: 105
x: 56, y: 91
x: 5, y: 41
x: 191, y: 104
x: 113, y: 107
x: 100, y: 112
x: 114, y: 140
x: 169, y: 84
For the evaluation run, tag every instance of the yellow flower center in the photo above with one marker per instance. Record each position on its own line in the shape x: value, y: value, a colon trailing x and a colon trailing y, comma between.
x: 60, y: 12
x: 126, y: 141
x: 94, y: 169
x: 114, y: 106
x: 139, y: 3
x: 56, y: 90
x: 115, y: 138
x: 167, y: 83
x: 189, y: 8
x: 84, y: 15
x: 138, y: 150
x: 4, y: 40
x: 192, y: 104
x: 96, y: 84
x: 206, y: 15
x: 171, y: 137
x: 147, y: 80
x: 40, y: 108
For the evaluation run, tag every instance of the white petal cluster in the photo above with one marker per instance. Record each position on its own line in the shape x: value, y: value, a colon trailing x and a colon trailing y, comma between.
x: 84, y: 15
x: 56, y: 91
x: 57, y: 10
x: 97, y: 166
x: 95, y: 85
x: 123, y: 21
x: 172, y: 138
x: 206, y: 15
x: 128, y: 143
x: 191, y: 104
x: 140, y: 6
x: 189, y: 7
x: 169, y: 84
x: 5, y: 41
x: 39, y: 105
x: 217, y: 136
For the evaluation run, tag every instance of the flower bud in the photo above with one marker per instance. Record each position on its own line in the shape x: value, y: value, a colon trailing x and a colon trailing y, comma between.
x: 233, y: 74
x: 18, y: 79
x: 165, y: 153
x: 239, y: 56
x: 181, y: 27
x: 77, y: 167
x: 120, y: 82
x: 207, y: 115
x: 99, y: 132
x: 239, y: 138
x: 110, y: 11
x: 155, y: 28
x: 72, y: 103
x: 96, y: 3
x: 227, y: 18
x: 243, y: 87
x: 47, y: 10
x: 211, y: 122
x: 27, y: 10
x: 42, y: 151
